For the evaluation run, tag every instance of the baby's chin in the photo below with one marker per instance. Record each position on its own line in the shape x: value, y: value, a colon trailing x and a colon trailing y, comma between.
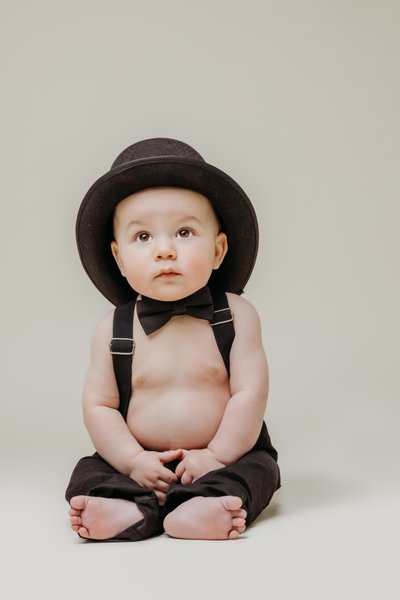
x: 169, y: 294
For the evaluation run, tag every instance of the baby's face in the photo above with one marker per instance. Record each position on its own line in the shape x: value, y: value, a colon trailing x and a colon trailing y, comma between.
x: 167, y: 242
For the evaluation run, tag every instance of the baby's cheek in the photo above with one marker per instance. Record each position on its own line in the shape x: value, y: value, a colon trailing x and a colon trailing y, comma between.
x: 201, y: 270
x: 201, y: 260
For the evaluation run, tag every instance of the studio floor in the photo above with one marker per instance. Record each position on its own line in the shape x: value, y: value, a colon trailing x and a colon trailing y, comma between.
x: 325, y: 535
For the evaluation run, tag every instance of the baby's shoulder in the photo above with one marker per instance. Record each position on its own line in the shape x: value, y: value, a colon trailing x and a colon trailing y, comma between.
x: 245, y: 316
x: 102, y: 332
x: 240, y: 305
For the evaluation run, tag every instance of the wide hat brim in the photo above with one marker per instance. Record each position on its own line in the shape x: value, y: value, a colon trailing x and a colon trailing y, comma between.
x: 233, y: 207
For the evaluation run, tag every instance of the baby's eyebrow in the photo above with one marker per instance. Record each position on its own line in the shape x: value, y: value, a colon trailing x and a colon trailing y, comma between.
x: 189, y: 218
x: 135, y: 223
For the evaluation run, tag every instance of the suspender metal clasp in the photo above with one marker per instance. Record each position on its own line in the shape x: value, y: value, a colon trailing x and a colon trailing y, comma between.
x: 122, y: 346
x: 224, y: 319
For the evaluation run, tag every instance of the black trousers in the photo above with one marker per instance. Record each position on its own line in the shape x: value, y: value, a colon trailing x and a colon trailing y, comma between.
x: 254, y: 478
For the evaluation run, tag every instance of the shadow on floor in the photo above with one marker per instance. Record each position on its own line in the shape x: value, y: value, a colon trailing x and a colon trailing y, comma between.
x: 306, y: 492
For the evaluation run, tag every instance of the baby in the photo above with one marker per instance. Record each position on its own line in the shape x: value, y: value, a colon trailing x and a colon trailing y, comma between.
x: 176, y: 389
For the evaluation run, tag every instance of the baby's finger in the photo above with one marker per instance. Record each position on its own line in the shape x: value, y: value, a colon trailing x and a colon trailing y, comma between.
x: 160, y: 497
x: 180, y: 469
x: 167, y: 476
x: 186, y: 478
x: 162, y: 486
x: 169, y: 455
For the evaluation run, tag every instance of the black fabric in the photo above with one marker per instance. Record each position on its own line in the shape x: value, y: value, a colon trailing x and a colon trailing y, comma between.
x: 122, y: 347
x: 154, y: 314
x: 223, y: 328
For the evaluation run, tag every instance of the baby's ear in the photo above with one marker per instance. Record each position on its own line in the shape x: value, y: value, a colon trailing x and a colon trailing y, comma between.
x: 221, y: 248
x: 116, y: 255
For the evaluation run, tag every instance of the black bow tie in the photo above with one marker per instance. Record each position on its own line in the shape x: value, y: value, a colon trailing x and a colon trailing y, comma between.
x: 153, y: 314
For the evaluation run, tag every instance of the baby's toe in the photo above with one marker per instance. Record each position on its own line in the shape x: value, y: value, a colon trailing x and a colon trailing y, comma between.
x: 74, y: 513
x: 239, y: 513
x: 83, y: 532
x: 232, y: 503
x: 234, y: 534
x: 238, y: 522
x: 78, y: 502
x: 76, y: 521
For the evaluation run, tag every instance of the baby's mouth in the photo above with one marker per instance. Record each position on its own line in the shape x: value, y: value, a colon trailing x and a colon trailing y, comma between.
x: 167, y: 274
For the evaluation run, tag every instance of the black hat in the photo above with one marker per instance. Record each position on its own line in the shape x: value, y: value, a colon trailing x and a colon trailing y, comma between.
x: 164, y: 162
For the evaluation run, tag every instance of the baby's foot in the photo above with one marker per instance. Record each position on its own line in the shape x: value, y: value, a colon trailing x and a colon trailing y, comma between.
x: 102, y: 518
x: 203, y: 518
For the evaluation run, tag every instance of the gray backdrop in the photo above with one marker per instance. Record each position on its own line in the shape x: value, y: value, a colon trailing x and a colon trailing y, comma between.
x: 298, y: 101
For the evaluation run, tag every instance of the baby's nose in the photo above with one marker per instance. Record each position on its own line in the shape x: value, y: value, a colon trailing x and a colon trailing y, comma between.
x: 165, y: 249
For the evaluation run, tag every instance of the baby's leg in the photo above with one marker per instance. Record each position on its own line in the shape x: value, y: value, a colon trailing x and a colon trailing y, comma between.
x: 105, y: 504
x: 204, y: 518
x: 102, y: 518
x: 251, y: 481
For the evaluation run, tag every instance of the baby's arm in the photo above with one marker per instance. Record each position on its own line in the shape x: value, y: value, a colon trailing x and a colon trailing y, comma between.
x: 241, y: 423
x: 105, y: 424
x: 244, y: 413
x: 109, y: 432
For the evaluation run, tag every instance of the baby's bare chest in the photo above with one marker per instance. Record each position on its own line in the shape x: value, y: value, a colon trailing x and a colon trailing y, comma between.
x: 184, y: 352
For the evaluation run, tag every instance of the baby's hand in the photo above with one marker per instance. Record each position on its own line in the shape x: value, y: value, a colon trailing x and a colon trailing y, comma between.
x: 149, y: 471
x: 196, y: 463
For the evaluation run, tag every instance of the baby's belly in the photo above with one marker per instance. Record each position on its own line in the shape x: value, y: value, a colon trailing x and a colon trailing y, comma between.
x: 180, y: 418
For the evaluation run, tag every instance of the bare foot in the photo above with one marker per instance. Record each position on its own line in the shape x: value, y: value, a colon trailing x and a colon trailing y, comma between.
x: 203, y: 518
x: 102, y: 518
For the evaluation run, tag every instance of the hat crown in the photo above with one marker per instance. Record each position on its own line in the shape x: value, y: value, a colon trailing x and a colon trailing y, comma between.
x: 156, y: 148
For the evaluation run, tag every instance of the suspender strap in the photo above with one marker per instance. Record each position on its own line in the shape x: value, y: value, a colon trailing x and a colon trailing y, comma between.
x: 122, y: 348
x: 223, y: 327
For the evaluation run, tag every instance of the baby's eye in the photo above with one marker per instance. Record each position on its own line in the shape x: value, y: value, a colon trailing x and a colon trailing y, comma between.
x: 184, y: 233
x: 142, y: 236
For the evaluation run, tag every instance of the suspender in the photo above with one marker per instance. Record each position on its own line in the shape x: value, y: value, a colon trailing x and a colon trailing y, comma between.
x: 122, y: 346
x: 223, y: 328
